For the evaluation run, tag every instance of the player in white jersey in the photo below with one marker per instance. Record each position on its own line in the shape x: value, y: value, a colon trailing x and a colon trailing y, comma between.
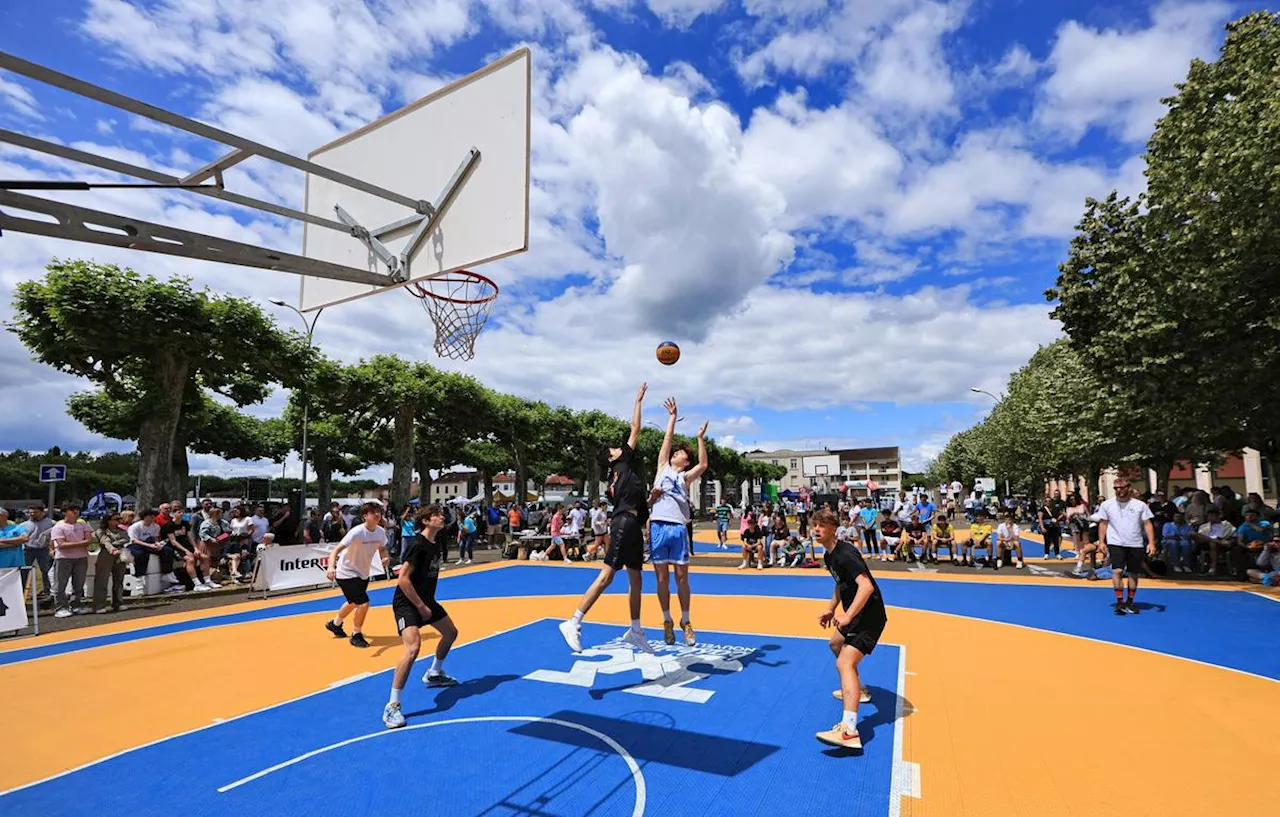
x: 669, y: 523
x: 350, y: 563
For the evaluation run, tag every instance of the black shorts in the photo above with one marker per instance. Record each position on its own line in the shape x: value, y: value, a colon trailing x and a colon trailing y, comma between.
x: 355, y: 591
x: 626, y: 543
x: 1130, y: 560
x: 409, y: 616
x: 863, y: 635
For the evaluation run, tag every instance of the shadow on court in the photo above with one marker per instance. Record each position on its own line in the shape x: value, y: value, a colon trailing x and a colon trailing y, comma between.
x: 884, y: 706
x: 656, y: 743
x: 448, y: 697
x: 708, y: 667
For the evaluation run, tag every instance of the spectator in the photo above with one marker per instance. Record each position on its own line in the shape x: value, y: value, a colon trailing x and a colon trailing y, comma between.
x: 38, y: 548
x: 793, y: 551
x: 70, y: 538
x: 870, y: 516
x: 1215, y: 534
x: 917, y: 536
x: 111, y: 564
x: 283, y: 526
x: 1265, y: 512
x: 215, y: 533
x: 891, y: 535
x: 979, y: 537
x: 13, y: 538
x: 259, y: 527
x: 332, y: 527
x: 175, y: 533
x: 145, y: 542
x: 600, y: 527
x: 1251, y: 537
x: 944, y: 536
x: 752, y: 539
x: 1051, y: 515
x: 312, y: 535
x: 557, y: 538
x: 1266, y: 569
x: 1197, y: 509
x: 468, y: 531
x: 1176, y: 536
x: 1009, y: 539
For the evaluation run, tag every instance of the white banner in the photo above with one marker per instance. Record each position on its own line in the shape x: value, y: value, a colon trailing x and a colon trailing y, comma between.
x: 13, y: 608
x: 289, y: 567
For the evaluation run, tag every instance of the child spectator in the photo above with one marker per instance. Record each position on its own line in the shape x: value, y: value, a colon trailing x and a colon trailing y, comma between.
x: 1176, y: 537
x: 751, y: 544
x: 1008, y: 539
x: 891, y: 535
x: 979, y: 537
x: 944, y: 536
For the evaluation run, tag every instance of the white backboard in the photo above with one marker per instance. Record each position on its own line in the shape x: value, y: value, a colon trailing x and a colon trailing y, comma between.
x: 824, y: 465
x: 415, y: 151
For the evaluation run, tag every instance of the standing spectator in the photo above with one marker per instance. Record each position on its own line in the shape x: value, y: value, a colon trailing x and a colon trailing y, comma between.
x: 283, y: 526
x: 332, y: 527
x: 870, y: 516
x: 1176, y: 536
x: 467, y: 540
x: 260, y: 527
x: 38, y: 548
x: 311, y: 534
x: 926, y: 509
x: 1051, y: 516
x: 70, y: 538
x: 111, y: 565
x: 13, y: 537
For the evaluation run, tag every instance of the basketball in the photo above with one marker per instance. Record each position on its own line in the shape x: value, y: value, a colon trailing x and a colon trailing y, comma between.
x: 668, y: 353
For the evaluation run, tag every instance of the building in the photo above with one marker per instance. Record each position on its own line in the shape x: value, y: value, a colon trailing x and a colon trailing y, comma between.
x: 1244, y: 473
x: 794, y: 462
x: 857, y: 465
x: 454, y: 484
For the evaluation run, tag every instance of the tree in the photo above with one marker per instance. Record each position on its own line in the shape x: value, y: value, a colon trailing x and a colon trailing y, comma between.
x: 519, y: 425
x: 146, y: 341
x: 339, y: 440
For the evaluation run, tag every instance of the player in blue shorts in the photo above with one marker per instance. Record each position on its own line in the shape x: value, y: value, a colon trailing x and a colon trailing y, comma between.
x: 669, y: 541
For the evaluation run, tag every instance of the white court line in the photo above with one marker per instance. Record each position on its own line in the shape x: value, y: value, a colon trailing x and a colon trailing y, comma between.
x: 1263, y: 596
x: 904, y: 778
x: 636, y: 776
x: 219, y: 722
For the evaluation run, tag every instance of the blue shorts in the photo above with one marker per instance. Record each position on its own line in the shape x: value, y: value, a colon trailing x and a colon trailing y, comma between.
x: 722, y: 527
x: 669, y: 543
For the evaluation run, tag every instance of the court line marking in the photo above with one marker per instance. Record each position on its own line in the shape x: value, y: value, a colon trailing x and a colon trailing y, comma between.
x: 221, y: 721
x: 1263, y: 596
x: 637, y: 776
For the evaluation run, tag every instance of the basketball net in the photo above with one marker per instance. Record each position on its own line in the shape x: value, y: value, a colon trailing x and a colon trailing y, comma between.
x: 459, y: 304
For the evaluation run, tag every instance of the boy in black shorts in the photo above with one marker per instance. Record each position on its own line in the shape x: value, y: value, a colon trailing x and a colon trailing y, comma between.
x: 630, y: 498
x: 858, y: 626
x: 414, y: 606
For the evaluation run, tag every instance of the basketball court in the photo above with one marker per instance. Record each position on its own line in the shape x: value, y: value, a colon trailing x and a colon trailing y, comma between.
x: 989, y: 697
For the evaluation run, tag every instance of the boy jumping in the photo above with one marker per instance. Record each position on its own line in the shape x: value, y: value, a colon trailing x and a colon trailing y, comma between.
x: 626, y: 539
x: 857, y: 627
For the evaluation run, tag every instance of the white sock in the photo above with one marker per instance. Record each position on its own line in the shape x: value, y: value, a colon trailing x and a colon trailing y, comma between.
x: 850, y: 719
x: 684, y: 618
x: 635, y: 625
x: 337, y: 620
x: 395, y: 696
x: 577, y: 617
x: 666, y: 616
x: 437, y: 665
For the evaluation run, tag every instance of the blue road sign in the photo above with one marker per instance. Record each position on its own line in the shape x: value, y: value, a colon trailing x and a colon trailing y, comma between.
x: 53, y: 473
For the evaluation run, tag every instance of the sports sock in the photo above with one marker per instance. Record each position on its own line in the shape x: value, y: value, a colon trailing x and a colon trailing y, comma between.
x: 635, y: 625
x: 199, y: 573
x: 850, y: 719
x: 1119, y: 595
x: 684, y: 619
x: 337, y: 620
x: 666, y: 616
x: 395, y: 696
x: 437, y: 665
x: 577, y: 617
x: 1133, y: 592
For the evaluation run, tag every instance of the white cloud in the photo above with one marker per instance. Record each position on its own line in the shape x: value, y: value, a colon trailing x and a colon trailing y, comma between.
x: 18, y: 100
x: 1115, y: 78
x: 682, y: 13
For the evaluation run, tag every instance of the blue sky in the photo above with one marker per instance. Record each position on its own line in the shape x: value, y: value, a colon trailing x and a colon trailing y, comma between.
x: 845, y: 215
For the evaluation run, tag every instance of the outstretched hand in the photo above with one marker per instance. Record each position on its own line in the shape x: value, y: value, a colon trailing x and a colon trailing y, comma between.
x: 644, y: 387
x: 670, y: 403
x: 702, y: 432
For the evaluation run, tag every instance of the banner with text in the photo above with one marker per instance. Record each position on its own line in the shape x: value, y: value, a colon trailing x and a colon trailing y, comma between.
x: 290, y: 567
x: 13, y: 608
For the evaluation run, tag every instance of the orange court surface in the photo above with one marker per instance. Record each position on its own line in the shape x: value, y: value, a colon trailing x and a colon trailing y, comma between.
x: 991, y: 695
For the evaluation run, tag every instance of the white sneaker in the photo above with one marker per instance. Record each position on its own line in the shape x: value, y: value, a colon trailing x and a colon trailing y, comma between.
x: 201, y: 588
x: 392, y: 716
x: 100, y: 610
x: 467, y: 562
x: 999, y: 563
x: 177, y: 588
x: 638, y: 640
x: 742, y: 566
x: 572, y: 635
x: 759, y: 565
x: 460, y: 561
x: 566, y: 560
x: 62, y: 612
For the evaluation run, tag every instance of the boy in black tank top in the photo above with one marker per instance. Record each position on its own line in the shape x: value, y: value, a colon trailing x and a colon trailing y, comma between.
x: 628, y: 491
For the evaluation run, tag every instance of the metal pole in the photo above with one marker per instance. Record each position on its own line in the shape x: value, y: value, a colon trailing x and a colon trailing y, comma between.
x: 306, y: 405
x: 53, y: 490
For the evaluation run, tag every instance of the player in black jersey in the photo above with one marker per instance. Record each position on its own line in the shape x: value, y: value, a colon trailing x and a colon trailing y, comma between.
x: 414, y: 606
x: 858, y: 625
x: 630, y: 496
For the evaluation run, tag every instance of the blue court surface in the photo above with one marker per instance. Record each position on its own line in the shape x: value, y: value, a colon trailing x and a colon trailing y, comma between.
x: 722, y: 728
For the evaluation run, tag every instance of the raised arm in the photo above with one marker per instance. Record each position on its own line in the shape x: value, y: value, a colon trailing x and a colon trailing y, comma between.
x: 664, y: 455
x: 635, y: 417
x: 701, y: 468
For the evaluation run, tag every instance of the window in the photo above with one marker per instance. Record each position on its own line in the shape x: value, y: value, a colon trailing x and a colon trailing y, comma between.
x: 775, y: 462
x: 813, y: 482
x: 795, y: 481
x: 793, y: 463
x: 1266, y: 476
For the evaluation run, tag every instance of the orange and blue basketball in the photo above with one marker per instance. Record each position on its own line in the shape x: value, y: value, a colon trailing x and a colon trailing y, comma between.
x: 668, y: 353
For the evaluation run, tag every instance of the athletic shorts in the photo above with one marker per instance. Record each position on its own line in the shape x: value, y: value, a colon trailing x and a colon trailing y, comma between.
x: 1129, y: 560
x: 626, y: 543
x: 669, y: 543
x: 722, y: 527
x: 864, y: 635
x: 355, y: 591
x: 409, y: 616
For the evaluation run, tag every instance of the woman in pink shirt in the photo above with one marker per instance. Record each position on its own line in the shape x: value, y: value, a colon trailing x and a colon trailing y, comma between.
x: 70, y: 538
x: 557, y: 540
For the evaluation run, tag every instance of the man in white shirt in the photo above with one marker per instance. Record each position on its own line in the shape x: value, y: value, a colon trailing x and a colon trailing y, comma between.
x: 350, y: 564
x: 1008, y: 538
x: 1124, y: 526
x: 669, y: 524
x: 577, y: 517
x: 600, y: 529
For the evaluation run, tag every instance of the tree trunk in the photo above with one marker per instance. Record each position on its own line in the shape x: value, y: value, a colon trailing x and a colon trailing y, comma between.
x: 402, y: 456
x: 1163, y: 468
x: 424, y: 488
x: 522, y: 475
x: 1093, y: 476
x: 180, y: 478
x: 324, y: 481
x: 159, y: 431
x: 593, y: 480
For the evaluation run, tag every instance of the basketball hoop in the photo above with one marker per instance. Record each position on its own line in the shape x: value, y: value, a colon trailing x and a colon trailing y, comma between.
x: 459, y: 303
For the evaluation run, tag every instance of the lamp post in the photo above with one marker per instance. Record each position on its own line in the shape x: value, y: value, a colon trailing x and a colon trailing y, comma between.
x: 977, y: 390
x: 306, y: 403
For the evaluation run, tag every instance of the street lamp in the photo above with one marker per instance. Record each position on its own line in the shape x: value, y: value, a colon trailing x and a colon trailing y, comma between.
x: 306, y: 402
x: 977, y: 390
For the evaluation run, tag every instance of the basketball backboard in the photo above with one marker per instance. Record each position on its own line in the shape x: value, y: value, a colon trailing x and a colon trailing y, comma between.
x: 822, y: 465
x: 475, y: 130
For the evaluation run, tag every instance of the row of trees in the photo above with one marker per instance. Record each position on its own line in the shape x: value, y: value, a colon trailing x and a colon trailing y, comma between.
x: 172, y: 367
x: 1168, y: 301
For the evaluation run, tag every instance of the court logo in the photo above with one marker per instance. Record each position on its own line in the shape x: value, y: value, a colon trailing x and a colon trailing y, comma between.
x: 672, y: 673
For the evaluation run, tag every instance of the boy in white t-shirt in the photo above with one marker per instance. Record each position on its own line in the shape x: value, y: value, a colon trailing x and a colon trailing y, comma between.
x: 350, y: 564
x: 599, y: 530
x: 669, y: 523
x: 1008, y: 538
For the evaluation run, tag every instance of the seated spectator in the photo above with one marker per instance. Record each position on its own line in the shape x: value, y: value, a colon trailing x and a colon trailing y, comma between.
x: 1176, y: 537
x: 111, y: 564
x: 145, y: 542
x: 917, y: 536
x: 1215, y: 534
x: 752, y: 545
x: 944, y: 536
x: 1266, y: 570
x: 237, y: 546
x: 1008, y: 540
x: 891, y: 536
x: 268, y: 540
x: 215, y: 533
x: 979, y: 537
x: 792, y: 551
x: 1251, y: 537
x: 1266, y: 513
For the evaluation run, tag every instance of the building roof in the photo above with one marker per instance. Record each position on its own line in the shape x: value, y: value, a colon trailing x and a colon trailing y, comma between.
x: 557, y: 479
x: 455, y: 476
x: 785, y: 452
x: 859, y: 454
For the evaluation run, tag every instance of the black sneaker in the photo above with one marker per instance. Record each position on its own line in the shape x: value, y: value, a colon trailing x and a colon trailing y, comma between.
x: 357, y: 640
x: 336, y: 629
x: 1119, y: 608
x: 1130, y: 607
x: 439, y: 679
